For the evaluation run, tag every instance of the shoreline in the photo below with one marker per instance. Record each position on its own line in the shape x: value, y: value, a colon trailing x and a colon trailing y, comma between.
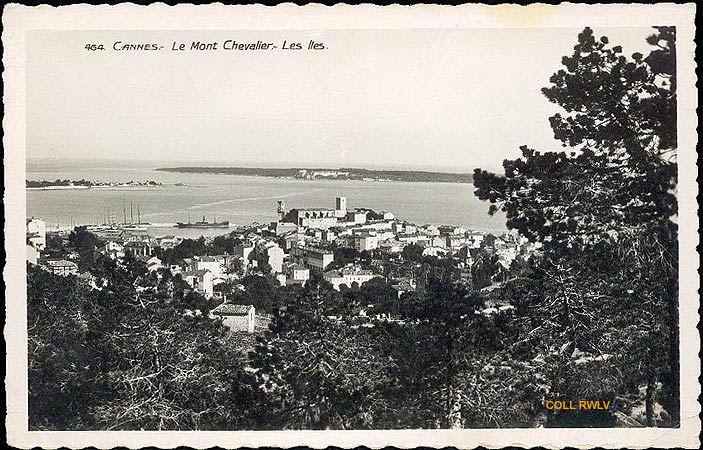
x: 233, y: 171
x: 68, y: 188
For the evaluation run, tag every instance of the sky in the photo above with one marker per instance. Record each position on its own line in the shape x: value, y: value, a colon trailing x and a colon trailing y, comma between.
x: 449, y: 100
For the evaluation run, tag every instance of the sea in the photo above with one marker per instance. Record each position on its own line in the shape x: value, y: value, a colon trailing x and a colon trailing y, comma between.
x: 241, y: 200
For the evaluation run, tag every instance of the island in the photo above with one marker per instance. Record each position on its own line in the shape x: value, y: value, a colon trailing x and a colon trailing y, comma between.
x: 331, y: 174
x: 85, y: 184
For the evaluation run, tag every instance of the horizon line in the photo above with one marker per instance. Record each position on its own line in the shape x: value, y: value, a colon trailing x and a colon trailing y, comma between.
x: 161, y: 164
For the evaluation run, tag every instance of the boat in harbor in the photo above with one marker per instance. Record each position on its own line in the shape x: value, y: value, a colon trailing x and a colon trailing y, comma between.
x: 203, y: 224
x: 134, y: 227
x: 131, y: 225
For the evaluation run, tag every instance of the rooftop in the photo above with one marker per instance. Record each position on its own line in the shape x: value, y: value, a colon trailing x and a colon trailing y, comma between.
x: 61, y: 263
x: 228, y: 309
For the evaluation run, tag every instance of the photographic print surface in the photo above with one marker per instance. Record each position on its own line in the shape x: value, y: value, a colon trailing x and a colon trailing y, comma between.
x: 305, y: 228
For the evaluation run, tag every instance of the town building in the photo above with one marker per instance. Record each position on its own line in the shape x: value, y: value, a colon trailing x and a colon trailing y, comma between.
x: 403, y: 286
x: 238, y: 318
x: 244, y: 250
x: 208, y: 263
x: 297, y: 274
x: 312, y: 257
x: 113, y: 250
x: 153, y: 263
x: 200, y: 281
x: 340, y: 207
x: 451, y: 229
x: 312, y: 217
x: 282, y: 228
x: 282, y: 279
x: 36, y: 233
x: 328, y: 235
x: 432, y: 230
x: 316, y: 218
x: 62, y: 267
x: 32, y: 255
x: 90, y: 280
x: 391, y: 246
x: 291, y: 240
x: 348, y: 276
x: 365, y: 242
x: 274, y: 255
x: 138, y: 248
x: 456, y: 240
x: 435, y: 251
x: 437, y: 241
x: 356, y: 216
x: 167, y: 242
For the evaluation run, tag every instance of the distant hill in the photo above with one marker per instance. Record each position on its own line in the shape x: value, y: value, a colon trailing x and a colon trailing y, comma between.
x: 332, y: 174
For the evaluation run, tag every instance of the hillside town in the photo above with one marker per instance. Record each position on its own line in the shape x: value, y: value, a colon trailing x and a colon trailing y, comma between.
x: 346, y: 246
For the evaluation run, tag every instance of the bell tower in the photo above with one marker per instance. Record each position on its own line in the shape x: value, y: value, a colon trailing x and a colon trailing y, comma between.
x: 340, y: 207
x: 281, y: 210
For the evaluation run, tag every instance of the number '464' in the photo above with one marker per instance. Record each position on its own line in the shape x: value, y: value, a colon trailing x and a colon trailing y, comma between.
x: 94, y: 47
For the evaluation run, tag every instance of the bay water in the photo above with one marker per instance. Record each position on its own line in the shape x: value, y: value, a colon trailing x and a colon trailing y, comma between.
x: 242, y: 199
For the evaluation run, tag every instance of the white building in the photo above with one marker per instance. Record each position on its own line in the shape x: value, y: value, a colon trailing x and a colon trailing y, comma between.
x: 282, y: 279
x: 437, y: 241
x: 200, y: 281
x: 340, y: 207
x: 169, y: 242
x: 392, y: 246
x: 456, y: 240
x: 297, y: 274
x: 243, y: 250
x: 434, y: 251
x: 328, y: 236
x: 138, y: 248
x: 62, y: 267
x: 153, y: 264
x: 365, y: 242
x: 36, y: 233
x: 275, y: 257
x: 320, y: 218
x: 238, y: 318
x: 32, y: 255
x: 356, y: 216
x: 214, y: 265
x: 432, y: 230
x: 348, y: 276
x: 312, y: 257
x: 113, y: 250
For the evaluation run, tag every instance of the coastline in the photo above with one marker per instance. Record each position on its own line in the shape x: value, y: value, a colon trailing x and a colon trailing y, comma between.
x: 68, y: 188
x: 366, y: 175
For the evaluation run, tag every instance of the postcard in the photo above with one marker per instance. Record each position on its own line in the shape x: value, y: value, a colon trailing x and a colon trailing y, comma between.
x: 250, y: 226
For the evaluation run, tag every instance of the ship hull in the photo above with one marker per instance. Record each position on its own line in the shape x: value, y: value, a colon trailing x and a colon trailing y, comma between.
x: 203, y: 225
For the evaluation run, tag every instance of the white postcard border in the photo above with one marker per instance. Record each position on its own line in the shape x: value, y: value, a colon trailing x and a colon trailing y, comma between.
x: 18, y: 19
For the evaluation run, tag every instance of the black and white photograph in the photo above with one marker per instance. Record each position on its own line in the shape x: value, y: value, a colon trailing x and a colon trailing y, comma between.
x: 353, y: 228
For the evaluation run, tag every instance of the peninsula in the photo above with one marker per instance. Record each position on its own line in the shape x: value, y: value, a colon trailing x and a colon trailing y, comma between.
x: 332, y: 174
